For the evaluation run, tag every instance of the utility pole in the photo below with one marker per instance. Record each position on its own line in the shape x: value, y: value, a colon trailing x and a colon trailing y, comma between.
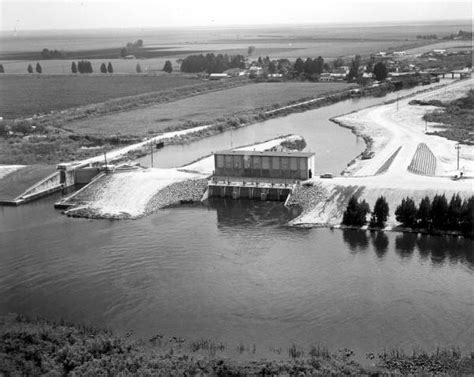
x: 151, y: 154
x: 458, y: 148
x: 426, y: 126
x: 397, y: 101
x: 105, y: 159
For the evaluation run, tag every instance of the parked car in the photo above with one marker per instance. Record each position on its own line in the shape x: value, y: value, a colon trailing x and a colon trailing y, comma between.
x: 326, y: 175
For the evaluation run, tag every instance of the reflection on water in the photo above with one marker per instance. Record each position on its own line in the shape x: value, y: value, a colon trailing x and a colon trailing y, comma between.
x: 232, y: 271
x: 437, y: 249
x: 250, y: 213
x: 356, y: 239
x: 379, y: 243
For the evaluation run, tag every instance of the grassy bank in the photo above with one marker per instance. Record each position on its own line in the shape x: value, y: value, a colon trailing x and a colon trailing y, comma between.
x: 232, y: 101
x: 50, y: 144
x: 37, y: 346
x: 455, y: 119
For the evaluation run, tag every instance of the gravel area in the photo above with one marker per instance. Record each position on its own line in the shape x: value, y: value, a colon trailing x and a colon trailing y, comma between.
x: 190, y: 190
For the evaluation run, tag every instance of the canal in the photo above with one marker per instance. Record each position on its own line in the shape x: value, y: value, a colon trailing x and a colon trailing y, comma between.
x: 232, y: 271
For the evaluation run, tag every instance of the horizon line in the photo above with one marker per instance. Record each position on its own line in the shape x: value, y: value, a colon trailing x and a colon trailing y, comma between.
x: 230, y: 26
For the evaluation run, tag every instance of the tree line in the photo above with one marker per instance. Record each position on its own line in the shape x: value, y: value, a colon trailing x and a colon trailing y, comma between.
x: 437, y: 214
x: 52, y: 54
x: 211, y: 63
x: 433, y: 215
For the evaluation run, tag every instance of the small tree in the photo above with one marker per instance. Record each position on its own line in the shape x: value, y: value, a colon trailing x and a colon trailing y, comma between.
x: 355, y: 213
x: 103, y: 68
x: 423, y: 213
x: 406, y: 212
x: 73, y: 67
x: 168, y: 67
x: 467, y: 215
x: 439, y: 212
x: 38, y: 68
x: 380, y: 213
x: 30, y: 68
x: 380, y: 71
x: 299, y: 65
x: 138, y: 68
x: 454, y: 212
x: 250, y: 50
x: 110, y: 69
x: 2, y: 70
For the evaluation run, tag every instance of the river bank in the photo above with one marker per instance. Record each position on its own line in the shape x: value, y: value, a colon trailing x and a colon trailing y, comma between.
x: 394, y: 132
x: 37, y: 346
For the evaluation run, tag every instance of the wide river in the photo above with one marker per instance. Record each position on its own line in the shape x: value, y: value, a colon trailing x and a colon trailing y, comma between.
x: 232, y: 271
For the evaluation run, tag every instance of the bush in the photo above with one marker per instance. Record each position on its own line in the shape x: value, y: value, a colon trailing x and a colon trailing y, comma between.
x: 355, y: 213
x: 406, y: 212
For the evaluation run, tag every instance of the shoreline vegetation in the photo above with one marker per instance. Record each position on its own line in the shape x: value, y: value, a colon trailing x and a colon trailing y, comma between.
x: 35, y: 346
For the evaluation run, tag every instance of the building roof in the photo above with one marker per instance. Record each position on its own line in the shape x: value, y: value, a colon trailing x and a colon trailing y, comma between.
x: 265, y: 153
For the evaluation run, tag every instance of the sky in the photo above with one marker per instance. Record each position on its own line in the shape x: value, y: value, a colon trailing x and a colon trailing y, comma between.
x: 88, y: 14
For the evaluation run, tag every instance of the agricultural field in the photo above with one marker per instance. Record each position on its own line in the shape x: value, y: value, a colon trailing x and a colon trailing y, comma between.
x: 26, y: 95
x: 203, y: 107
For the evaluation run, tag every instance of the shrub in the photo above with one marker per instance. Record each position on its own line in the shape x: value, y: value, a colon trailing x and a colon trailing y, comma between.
x: 103, y: 68
x: 406, y: 212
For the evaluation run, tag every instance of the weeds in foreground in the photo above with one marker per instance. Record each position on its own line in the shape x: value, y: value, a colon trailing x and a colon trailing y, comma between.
x: 207, y: 345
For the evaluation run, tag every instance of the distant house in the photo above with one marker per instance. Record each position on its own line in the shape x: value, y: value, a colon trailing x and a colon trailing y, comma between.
x: 218, y: 76
x: 439, y: 51
x: 399, y: 53
x: 130, y: 57
x: 338, y: 76
x: 381, y: 54
x: 325, y: 77
x: 234, y: 72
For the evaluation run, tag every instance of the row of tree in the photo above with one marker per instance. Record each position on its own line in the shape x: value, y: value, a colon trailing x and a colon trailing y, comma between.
x: 132, y: 48
x: 356, y: 213
x: 211, y: 63
x: 106, y: 68
x: 436, y: 214
x: 83, y: 66
x: 38, y: 68
x: 52, y: 54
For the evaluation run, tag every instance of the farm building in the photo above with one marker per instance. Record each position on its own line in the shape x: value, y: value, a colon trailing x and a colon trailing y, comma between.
x: 218, y: 76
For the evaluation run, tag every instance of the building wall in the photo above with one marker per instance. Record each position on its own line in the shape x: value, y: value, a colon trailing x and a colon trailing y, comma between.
x: 290, y: 167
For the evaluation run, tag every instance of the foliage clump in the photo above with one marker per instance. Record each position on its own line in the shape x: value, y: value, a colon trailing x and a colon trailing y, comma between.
x: 356, y: 212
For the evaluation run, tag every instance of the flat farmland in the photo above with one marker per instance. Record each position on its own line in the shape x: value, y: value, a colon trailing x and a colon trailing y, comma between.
x: 26, y: 95
x: 202, y: 107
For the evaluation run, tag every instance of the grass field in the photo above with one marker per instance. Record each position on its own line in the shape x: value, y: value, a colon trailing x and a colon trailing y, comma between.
x: 202, y: 107
x: 25, y: 95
